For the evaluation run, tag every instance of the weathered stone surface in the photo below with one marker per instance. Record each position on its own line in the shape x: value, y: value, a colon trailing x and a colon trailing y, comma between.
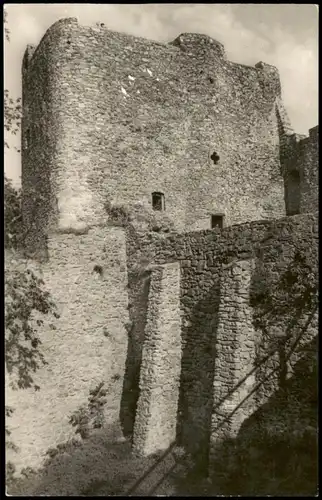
x: 89, y: 345
x: 155, y: 424
x: 220, y: 346
x: 110, y: 118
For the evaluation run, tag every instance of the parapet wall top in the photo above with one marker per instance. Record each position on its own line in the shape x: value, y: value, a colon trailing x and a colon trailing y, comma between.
x: 314, y: 132
x: 196, y: 40
x: 269, y: 68
x: 29, y: 52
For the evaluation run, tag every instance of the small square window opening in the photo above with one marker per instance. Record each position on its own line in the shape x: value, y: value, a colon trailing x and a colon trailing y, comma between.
x: 217, y: 220
x: 158, y: 201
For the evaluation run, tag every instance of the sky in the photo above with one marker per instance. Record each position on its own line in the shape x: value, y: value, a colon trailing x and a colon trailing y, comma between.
x: 284, y: 35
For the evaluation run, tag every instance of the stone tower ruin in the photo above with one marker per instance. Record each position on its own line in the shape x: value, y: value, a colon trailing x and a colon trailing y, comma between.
x: 110, y: 118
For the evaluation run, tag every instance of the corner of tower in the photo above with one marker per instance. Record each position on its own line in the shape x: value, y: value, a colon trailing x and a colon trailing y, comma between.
x: 314, y: 133
x: 269, y: 78
x: 197, y: 43
x: 28, y: 55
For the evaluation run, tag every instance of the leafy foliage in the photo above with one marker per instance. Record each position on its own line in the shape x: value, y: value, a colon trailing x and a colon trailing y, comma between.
x: 12, y: 107
x: 12, y: 196
x: 139, y: 217
x: 283, y: 311
x: 12, y: 114
x: 90, y: 415
x: 12, y: 215
x: 9, y: 444
x: 6, y: 29
x: 296, y: 291
x: 26, y: 300
x: 26, y: 304
x: 100, y: 465
x: 85, y: 419
x: 66, y: 447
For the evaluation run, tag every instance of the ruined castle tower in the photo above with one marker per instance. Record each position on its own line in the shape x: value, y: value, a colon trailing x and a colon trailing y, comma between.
x: 111, y: 118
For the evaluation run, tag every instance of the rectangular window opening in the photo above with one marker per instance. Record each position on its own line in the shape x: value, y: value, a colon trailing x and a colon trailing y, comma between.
x: 158, y: 201
x: 217, y: 220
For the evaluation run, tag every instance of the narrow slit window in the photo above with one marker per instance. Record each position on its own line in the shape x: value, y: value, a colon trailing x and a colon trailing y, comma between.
x: 158, y: 201
x: 217, y: 220
x: 27, y: 138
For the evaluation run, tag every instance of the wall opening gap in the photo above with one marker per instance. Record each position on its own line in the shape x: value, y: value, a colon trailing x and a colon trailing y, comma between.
x: 158, y: 202
x: 217, y: 221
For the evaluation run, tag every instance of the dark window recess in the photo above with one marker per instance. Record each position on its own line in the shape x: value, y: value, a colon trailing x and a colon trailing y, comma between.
x: 158, y: 201
x: 215, y: 158
x: 217, y: 221
x: 98, y: 269
x: 27, y: 138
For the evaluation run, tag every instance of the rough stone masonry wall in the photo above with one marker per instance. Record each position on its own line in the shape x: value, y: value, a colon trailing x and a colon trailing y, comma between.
x: 156, y: 422
x: 299, y: 160
x: 299, y: 157
x: 234, y: 378
x: 309, y: 159
x: 38, y: 132
x: 238, y: 259
x: 88, y: 347
x: 118, y: 117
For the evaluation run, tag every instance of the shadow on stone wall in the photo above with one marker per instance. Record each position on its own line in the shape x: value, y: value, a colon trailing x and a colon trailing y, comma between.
x: 275, y: 451
x: 282, y: 431
x: 264, y: 458
x: 197, y: 373
x: 284, y: 297
x: 139, y: 297
x: 101, y: 465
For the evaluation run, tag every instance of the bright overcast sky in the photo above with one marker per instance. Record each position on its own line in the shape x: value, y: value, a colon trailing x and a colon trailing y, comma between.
x: 285, y: 35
